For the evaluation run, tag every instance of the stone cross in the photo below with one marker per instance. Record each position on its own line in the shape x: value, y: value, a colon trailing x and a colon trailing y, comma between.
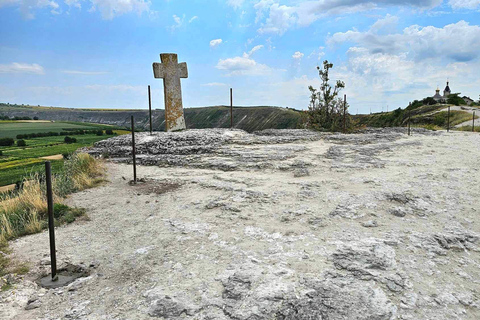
x: 171, y: 71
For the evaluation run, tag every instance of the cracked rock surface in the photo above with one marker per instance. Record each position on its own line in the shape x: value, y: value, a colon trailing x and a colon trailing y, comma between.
x: 278, y: 224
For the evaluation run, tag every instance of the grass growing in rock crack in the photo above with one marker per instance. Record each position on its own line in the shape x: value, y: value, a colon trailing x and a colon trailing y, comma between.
x: 24, y: 211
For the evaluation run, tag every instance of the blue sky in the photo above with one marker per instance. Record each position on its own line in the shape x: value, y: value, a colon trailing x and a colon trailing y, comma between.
x: 99, y: 53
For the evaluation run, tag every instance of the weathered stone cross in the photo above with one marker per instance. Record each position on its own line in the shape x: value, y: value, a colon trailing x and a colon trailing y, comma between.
x: 171, y: 71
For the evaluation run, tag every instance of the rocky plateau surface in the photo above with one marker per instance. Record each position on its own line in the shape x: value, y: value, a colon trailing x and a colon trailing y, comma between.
x: 277, y: 224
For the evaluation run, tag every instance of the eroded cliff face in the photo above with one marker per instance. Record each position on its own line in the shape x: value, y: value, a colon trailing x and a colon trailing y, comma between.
x: 247, y: 118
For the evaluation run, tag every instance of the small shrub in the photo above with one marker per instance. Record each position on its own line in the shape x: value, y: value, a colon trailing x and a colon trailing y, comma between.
x: 7, y: 142
x: 21, y: 143
x: 99, y: 133
x: 1, y: 153
x: 35, y: 118
x: 69, y: 140
x: 109, y: 132
x: 67, y: 155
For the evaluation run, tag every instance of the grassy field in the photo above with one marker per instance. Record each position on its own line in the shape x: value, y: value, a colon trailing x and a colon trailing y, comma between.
x: 10, y: 129
x: 16, y: 163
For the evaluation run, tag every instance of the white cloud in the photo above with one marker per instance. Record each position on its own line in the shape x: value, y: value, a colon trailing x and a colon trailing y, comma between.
x: 458, y: 42
x: 192, y: 19
x: 243, y: 66
x: 283, y: 17
x: 467, y: 4
x: 395, y: 68
x: 21, y: 68
x: 91, y: 73
x: 213, y: 84
x: 216, y: 42
x: 73, y: 3
x: 235, y: 3
x: 254, y: 49
x: 113, y: 8
x: 108, y: 8
x: 178, y: 22
x: 297, y: 55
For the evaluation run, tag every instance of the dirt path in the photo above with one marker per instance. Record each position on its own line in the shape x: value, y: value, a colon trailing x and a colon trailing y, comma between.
x: 54, y: 157
x: 372, y: 226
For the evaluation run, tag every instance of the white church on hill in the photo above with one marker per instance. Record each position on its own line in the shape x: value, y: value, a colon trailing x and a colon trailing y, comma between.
x: 446, y: 93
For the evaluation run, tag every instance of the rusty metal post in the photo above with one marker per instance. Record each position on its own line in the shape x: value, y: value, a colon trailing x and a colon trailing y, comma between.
x: 150, y: 109
x: 473, y: 122
x: 409, y: 115
x: 231, y: 108
x: 344, y: 113
x: 51, y: 221
x: 448, y: 123
x: 134, y: 153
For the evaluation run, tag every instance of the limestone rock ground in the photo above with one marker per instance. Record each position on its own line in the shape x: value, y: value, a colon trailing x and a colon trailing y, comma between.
x: 272, y: 225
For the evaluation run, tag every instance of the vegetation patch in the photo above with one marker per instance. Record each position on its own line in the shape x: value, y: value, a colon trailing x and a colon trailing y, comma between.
x: 25, y: 211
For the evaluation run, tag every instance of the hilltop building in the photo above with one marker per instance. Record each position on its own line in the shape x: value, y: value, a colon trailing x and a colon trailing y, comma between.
x: 446, y: 93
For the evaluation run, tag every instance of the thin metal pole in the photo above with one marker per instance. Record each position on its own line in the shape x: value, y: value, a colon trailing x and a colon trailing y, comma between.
x: 409, y: 115
x: 134, y: 153
x: 231, y: 108
x: 150, y: 109
x: 448, y: 123
x: 51, y: 221
x: 344, y: 113
x: 473, y: 122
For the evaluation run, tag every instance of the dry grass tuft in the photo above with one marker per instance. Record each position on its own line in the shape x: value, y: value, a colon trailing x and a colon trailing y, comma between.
x: 24, y: 212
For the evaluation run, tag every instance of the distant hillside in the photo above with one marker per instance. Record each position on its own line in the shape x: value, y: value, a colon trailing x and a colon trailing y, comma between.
x: 246, y: 118
x: 428, y: 116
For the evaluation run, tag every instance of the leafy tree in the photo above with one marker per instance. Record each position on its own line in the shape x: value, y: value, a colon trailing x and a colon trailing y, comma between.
x: 21, y: 143
x: 429, y: 101
x: 326, y: 109
x: 6, y: 142
x: 35, y: 118
x: 69, y: 140
x: 99, y: 133
x: 453, y: 98
x: 109, y: 132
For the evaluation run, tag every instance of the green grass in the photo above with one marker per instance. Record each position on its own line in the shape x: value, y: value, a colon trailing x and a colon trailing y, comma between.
x: 10, y: 129
x: 456, y: 117
x: 17, y: 163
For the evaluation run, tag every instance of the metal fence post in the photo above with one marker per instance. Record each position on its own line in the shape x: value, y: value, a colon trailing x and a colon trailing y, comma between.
x: 134, y: 153
x: 51, y: 221
x: 344, y: 113
x: 409, y: 116
x: 150, y: 109
x: 448, y: 123
x: 473, y: 122
x: 231, y: 108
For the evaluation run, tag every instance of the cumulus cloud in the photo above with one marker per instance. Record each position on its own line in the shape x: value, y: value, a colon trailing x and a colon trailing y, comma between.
x: 396, y: 67
x: 107, y: 8
x: 215, y: 43
x: 113, y: 8
x: 458, y: 41
x: 243, y: 66
x: 280, y: 18
x: 22, y: 68
x: 297, y: 55
x: 467, y: 4
x: 235, y: 3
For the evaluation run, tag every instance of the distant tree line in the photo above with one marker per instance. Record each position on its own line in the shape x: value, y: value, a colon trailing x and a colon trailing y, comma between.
x: 3, y: 117
x: 64, y: 133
